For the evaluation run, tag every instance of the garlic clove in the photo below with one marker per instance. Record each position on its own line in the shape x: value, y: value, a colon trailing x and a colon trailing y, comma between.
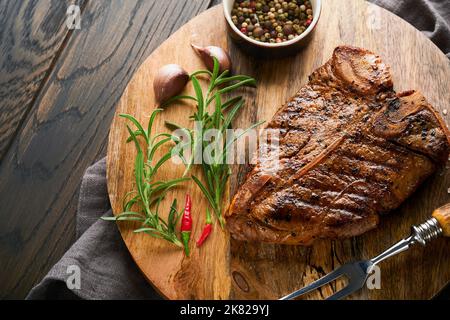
x: 169, y: 81
x: 207, y: 54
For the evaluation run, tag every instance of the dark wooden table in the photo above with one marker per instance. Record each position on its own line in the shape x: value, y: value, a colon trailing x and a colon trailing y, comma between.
x: 58, y: 90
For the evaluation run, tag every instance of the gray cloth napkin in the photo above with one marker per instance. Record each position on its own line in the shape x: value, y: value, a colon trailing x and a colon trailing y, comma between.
x: 107, y: 270
x: 432, y: 17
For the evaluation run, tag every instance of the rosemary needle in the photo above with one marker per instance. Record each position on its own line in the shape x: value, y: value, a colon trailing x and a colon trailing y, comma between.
x: 143, y: 202
x: 217, y: 171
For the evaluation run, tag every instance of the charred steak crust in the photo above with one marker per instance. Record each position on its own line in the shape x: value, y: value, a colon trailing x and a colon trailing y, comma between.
x: 351, y: 149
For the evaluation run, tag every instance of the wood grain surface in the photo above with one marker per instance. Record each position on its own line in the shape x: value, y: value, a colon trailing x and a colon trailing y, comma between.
x: 70, y: 98
x: 32, y: 35
x: 225, y: 268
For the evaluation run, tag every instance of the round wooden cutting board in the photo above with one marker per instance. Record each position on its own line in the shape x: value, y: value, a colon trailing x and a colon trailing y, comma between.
x: 224, y: 268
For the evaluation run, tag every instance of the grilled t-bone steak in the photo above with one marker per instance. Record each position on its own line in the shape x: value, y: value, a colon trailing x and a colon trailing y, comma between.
x: 350, y: 150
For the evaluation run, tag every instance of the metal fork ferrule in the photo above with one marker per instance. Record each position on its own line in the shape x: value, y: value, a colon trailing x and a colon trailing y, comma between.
x: 427, y: 231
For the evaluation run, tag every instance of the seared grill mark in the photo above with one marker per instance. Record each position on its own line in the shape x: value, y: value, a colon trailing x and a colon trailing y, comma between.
x: 351, y: 149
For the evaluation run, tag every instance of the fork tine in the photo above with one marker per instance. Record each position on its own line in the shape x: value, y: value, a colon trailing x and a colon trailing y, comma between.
x: 349, y: 289
x: 316, y: 284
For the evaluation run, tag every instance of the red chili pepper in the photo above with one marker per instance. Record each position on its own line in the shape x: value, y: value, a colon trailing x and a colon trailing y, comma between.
x: 206, y: 230
x: 186, y: 224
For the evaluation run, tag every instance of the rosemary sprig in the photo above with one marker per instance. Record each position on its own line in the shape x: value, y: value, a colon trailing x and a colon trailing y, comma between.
x: 149, y: 193
x: 212, y: 113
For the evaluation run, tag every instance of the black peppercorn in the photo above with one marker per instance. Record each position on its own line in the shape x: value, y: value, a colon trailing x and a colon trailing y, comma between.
x: 258, y: 32
x: 268, y: 25
x: 288, y: 29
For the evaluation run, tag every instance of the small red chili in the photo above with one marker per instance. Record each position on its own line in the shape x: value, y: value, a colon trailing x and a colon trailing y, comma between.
x: 186, y: 224
x: 206, y: 230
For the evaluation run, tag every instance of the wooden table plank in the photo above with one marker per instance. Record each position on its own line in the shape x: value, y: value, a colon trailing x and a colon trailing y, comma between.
x: 32, y: 34
x: 67, y: 128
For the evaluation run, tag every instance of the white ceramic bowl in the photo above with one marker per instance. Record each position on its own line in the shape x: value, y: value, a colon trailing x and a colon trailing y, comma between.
x: 271, y: 49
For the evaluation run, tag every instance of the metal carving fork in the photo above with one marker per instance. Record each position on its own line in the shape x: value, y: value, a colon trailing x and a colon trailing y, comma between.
x: 358, y: 272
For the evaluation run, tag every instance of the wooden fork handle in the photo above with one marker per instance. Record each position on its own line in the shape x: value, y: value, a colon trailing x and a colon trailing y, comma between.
x: 442, y: 215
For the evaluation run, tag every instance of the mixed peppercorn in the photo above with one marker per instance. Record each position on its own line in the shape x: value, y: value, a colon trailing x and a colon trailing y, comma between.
x: 272, y: 21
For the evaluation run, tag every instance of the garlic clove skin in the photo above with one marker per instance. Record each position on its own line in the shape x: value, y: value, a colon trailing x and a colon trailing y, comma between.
x: 169, y: 81
x: 207, y: 54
